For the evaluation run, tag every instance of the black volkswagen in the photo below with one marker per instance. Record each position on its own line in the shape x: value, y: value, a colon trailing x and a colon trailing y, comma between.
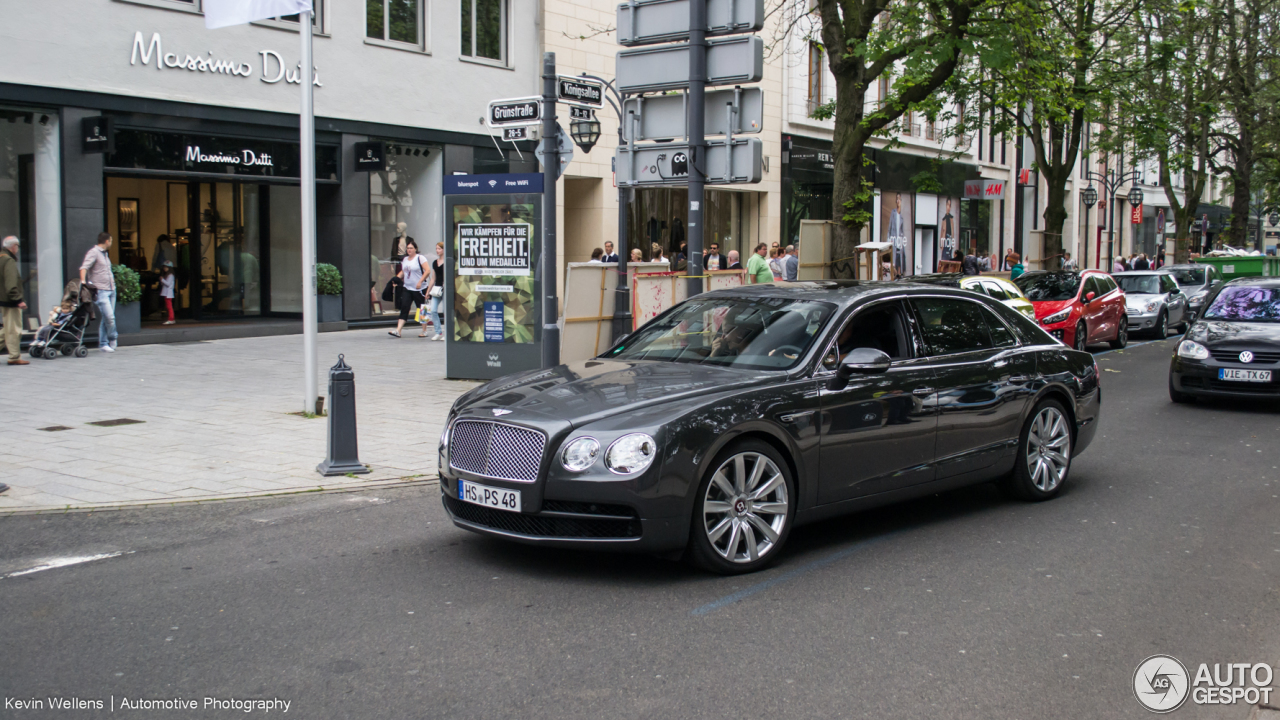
x: 1233, y: 348
x: 723, y: 423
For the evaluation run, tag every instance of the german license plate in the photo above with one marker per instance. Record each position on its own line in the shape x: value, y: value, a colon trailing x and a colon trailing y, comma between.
x: 500, y: 498
x: 1244, y: 375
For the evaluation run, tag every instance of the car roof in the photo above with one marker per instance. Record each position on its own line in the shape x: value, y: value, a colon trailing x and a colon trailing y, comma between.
x: 841, y: 292
x: 1127, y: 273
x: 1256, y: 281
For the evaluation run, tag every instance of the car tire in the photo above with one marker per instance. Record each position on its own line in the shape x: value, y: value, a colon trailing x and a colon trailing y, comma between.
x: 1162, y: 326
x: 1122, y: 335
x: 1177, y: 396
x: 1081, y: 340
x: 1036, y: 475
x: 743, y: 509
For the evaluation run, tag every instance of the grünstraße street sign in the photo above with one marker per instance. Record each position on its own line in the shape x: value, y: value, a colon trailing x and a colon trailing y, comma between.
x: 580, y: 91
x: 733, y: 111
x: 669, y: 163
x: 730, y: 61
x: 647, y: 22
x: 514, y: 111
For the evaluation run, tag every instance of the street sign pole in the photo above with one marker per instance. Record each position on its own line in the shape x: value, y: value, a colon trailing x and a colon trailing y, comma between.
x: 307, y: 172
x: 697, y: 141
x: 550, y: 171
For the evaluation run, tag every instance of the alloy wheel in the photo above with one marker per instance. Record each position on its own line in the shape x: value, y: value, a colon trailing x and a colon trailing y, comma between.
x: 1162, y: 331
x: 1082, y: 337
x: 1048, y: 449
x: 745, y: 507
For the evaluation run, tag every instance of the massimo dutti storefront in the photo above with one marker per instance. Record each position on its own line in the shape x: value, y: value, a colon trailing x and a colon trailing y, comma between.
x: 216, y: 193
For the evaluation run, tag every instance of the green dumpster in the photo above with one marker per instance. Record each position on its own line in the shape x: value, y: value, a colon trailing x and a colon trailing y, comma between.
x: 1243, y: 266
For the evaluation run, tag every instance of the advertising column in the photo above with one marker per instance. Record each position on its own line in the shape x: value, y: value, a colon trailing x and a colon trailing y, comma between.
x: 492, y: 282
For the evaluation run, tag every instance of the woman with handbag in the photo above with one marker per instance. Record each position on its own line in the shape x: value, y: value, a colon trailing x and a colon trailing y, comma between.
x: 436, y: 292
x: 413, y: 274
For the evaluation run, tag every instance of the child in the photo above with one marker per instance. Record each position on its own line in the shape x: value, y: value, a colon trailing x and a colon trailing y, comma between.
x: 166, y: 289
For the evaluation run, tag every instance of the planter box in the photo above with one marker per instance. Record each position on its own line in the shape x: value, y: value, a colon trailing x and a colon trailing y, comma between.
x: 328, y: 308
x: 128, y: 317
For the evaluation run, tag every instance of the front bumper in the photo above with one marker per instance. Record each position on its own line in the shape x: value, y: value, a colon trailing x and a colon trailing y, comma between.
x: 1142, y: 321
x: 1201, y: 379
x: 1064, y: 332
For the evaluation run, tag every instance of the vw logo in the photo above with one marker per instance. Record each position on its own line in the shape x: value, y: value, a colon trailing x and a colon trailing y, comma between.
x: 499, y: 412
x: 1246, y: 357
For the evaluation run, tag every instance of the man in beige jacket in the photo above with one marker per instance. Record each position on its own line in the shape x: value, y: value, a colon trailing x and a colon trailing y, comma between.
x: 11, y: 300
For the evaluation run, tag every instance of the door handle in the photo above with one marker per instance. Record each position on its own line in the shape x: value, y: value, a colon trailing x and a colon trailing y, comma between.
x: 1019, y: 378
x: 922, y: 391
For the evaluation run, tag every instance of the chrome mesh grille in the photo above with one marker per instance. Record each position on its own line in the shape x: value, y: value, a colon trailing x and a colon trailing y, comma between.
x: 496, y: 450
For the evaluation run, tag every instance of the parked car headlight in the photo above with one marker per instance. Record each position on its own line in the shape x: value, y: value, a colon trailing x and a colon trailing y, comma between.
x: 1056, y: 317
x: 631, y: 453
x: 1198, y: 296
x: 580, y: 454
x: 1193, y: 350
x: 1151, y: 306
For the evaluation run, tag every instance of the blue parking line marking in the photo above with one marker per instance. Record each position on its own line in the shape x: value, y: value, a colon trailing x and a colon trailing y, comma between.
x: 1134, y: 345
x: 762, y: 586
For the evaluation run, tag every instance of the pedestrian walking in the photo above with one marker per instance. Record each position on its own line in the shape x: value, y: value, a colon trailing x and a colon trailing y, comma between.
x: 758, y: 267
x: 95, y: 272
x: 1118, y: 265
x: 1016, y: 271
x: 436, y: 293
x: 1068, y: 264
x: 714, y: 260
x: 969, y: 265
x: 658, y: 256
x: 1007, y: 263
x: 791, y: 264
x: 166, y: 289
x: 413, y: 271
x: 11, y: 304
x: 1141, y: 263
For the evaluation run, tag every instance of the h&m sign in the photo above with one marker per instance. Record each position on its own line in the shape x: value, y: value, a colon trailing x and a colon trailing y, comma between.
x: 984, y: 189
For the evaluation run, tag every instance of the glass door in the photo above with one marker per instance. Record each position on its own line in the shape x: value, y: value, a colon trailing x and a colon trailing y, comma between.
x: 225, y: 250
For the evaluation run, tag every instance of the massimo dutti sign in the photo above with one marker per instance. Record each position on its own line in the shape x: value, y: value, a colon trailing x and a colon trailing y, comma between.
x: 155, y: 152
x: 269, y: 66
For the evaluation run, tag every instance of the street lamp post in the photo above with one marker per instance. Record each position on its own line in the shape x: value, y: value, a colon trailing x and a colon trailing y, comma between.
x: 1089, y: 196
x: 622, y: 294
x: 1111, y: 182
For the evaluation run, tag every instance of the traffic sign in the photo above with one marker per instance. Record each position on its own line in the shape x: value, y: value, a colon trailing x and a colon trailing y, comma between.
x: 579, y: 91
x: 669, y: 163
x: 565, y: 148
x: 515, y: 111
x: 734, y: 111
x: 730, y: 61
x: 645, y: 22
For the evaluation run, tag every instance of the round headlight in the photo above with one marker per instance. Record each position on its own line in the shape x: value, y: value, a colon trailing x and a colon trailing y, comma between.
x: 1151, y: 306
x: 1193, y: 350
x: 580, y: 454
x: 631, y: 453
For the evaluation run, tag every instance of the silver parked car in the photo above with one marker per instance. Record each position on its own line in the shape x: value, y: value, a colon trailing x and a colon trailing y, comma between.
x: 1197, y: 281
x: 1153, y: 301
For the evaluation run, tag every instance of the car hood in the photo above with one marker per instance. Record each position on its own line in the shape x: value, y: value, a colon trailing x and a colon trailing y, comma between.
x: 1227, y: 335
x: 1140, y: 300
x: 583, y: 392
x: 1045, y: 308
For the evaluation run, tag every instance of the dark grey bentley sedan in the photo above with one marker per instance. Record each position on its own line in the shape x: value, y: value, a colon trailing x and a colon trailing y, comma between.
x: 733, y: 417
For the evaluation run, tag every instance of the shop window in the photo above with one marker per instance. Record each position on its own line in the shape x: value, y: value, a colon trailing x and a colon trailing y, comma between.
x: 484, y: 30
x: 815, y: 77
x: 405, y: 203
x: 30, y: 205
x: 398, y: 23
x: 661, y: 216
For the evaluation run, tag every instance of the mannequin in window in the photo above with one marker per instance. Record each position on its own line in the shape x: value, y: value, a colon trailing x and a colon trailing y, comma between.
x: 165, y: 252
x: 399, y: 242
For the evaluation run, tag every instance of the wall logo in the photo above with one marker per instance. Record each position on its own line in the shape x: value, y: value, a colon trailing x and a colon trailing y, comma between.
x: 492, y: 183
x: 494, y: 361
x: 1161, y: 683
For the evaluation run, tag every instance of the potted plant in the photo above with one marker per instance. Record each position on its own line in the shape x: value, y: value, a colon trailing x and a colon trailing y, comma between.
x: 128, y: 293
x: 328, y: 293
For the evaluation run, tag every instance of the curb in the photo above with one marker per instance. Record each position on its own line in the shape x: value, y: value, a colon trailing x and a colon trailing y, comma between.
x: 211, y: 499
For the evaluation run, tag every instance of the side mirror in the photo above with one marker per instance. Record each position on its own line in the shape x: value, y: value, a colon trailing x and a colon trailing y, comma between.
x: 1088, y: 297
x: 860, y: 361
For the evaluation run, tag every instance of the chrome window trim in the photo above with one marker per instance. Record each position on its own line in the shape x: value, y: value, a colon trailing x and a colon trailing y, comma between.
x: 545, y: 440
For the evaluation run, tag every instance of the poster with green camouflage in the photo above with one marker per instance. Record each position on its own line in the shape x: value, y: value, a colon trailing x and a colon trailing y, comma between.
x: 494, y: 230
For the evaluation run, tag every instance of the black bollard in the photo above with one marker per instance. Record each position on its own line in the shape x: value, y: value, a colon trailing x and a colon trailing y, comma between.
x: 343, y: 458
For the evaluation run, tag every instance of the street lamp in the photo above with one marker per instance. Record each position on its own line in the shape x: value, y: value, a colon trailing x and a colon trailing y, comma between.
x: 585, y: 132
x: 1135, y: 196
x: 1089, y: 197
x: 1111, y: 182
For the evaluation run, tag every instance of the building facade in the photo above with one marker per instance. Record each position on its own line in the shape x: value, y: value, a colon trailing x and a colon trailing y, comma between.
x: 202, y: 167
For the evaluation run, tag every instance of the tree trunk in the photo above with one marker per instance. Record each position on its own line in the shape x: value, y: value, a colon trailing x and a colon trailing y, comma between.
x: 1237, y: 235
x: 849, y: 146
x: 1055, y: 218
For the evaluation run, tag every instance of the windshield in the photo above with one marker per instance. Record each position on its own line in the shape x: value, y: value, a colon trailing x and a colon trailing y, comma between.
x: 1245, y: 303
x: 1189, y: 276
x: 748, y: 333
x: 1140, y: 284
x: 1049, y: 286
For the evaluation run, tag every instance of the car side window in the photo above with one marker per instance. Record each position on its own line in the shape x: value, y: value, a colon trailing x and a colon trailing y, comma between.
x: 880, y: 326
x: 995, y: 290
x: 1167, y: 284
x: 952, y: 325
x: 1107, y: 285
x: 1000, y: 333
x: 1090, y: 285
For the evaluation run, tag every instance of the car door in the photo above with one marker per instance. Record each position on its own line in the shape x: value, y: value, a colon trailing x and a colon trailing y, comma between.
x: 877, y: 432
x: 1113, y: 303
x: 1177, y: 300
x: 1094, y: 311
x: 984, y: 380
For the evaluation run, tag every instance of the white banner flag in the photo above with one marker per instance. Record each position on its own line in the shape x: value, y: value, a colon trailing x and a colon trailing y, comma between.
x: 221, y: 13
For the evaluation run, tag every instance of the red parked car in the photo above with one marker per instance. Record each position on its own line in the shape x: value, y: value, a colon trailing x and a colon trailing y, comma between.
x: 1078, y: 308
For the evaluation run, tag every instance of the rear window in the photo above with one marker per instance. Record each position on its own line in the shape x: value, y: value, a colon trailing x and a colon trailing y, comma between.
x: 1140, y: 284
x: 1245, y: 303
x: 1049, y: 286
x: 1189, y: 276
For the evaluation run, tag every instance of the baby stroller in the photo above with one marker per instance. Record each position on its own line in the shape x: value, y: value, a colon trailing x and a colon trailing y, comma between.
x: 65, y: 330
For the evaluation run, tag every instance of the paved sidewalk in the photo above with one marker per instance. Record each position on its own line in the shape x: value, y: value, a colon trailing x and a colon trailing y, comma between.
x: 217, y: 418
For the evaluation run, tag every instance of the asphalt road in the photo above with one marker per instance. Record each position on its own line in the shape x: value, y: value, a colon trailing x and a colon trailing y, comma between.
x: 962, y: 605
